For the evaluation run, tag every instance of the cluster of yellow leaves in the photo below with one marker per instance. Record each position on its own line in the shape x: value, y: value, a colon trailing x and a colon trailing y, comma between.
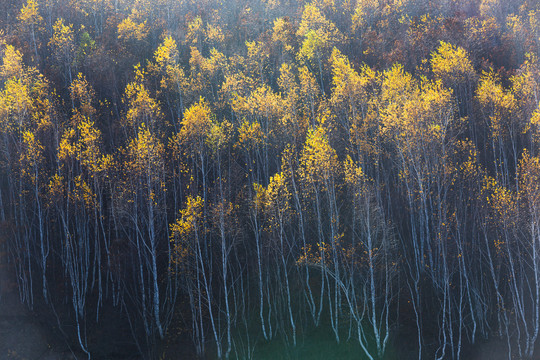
x: 196, y: 125
x: 469, y: 168
x: 25, y: 102
x: 81, y: 193
x: 16, y: 103
x: 497, y: 103
x: 349, y: 87
x: 318, y: 162
x: 526, y: 83
x: 287, y: 82
x: 283, y: 33
x: 526, y: 87
x: 198, y: 32
x: 258, y: 54
x: 481, y: 31
x: 185, y: 228
x: 259, y: 200
x: 354, y: 98
x: 529, y: 181
x: 219, y: 136
x: 354, y: 176
x: 31, y: 156
x: 320, y: 256
x: 291, y: 119
x: 55, y: 190
x: 535, y: 125
x: 262, y: 103
x: 309, y: 90
x: 214, y: 34
x: 12, y: 63
x: 250, y: 135
x: 83, y: 143
x: 278, y: 194
x: 129, y: 30
x: 146, y: 154
x: 63, y: 41
x: 167, y: 53
x: 166, y: 65
x: 418, y: 115
x: 236, y: 88
x: 397, y: 86
x: 452, y: 65
x: 319, y: 33
x: 142, y: 108
x: 29, y: 13
x: 83, y: 95
x: 195, y: 31
x: 203, y: 70
x: 502, y: 202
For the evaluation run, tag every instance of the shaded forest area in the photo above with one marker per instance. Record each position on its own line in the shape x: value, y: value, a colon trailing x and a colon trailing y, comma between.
x: 255, y: 178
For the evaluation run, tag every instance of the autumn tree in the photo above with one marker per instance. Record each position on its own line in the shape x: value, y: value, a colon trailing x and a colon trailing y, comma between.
x: 30, y: 21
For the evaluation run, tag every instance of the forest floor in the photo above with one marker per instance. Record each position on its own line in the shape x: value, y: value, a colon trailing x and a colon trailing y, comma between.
x: 25, y: 335
x: 22, y: 335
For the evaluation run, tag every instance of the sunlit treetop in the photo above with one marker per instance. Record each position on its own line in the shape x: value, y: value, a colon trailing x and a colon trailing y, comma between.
x: 397, y: 86
x: 319, y: 161
x: 196, y: 125
x: 63, y: 42
x: 17, y: 104
x: 497, y: 103
x: 12, y: 63
x: 452, y: 64
x: 167, y: 53
x: 29, y: 13
x: 349, y: 86
x: 318, y: 32
x: 130, y: 29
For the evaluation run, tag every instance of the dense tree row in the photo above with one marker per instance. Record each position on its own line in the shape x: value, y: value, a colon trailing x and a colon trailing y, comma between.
x: 237, y: 172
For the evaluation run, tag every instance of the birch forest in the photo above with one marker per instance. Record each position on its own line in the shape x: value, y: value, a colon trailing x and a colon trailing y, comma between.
x: 274, y: 179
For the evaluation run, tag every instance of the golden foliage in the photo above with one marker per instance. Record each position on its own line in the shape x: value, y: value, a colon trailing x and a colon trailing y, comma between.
x: 146, y: 154
x: 142, y: 108
x: 318, y: 162
x: 129, y: 30
x: 12, y: 63
x: 63, y: 41
x: 452, y: 65
x: 497, y: 103
x: 195, y: 126
x: 283, y: 33
x: 83, y: 94
x: 250, y: 135
x: 29, y: 13
x: 184, y: 230
x: 319, y: 33
x: 31, y: 157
